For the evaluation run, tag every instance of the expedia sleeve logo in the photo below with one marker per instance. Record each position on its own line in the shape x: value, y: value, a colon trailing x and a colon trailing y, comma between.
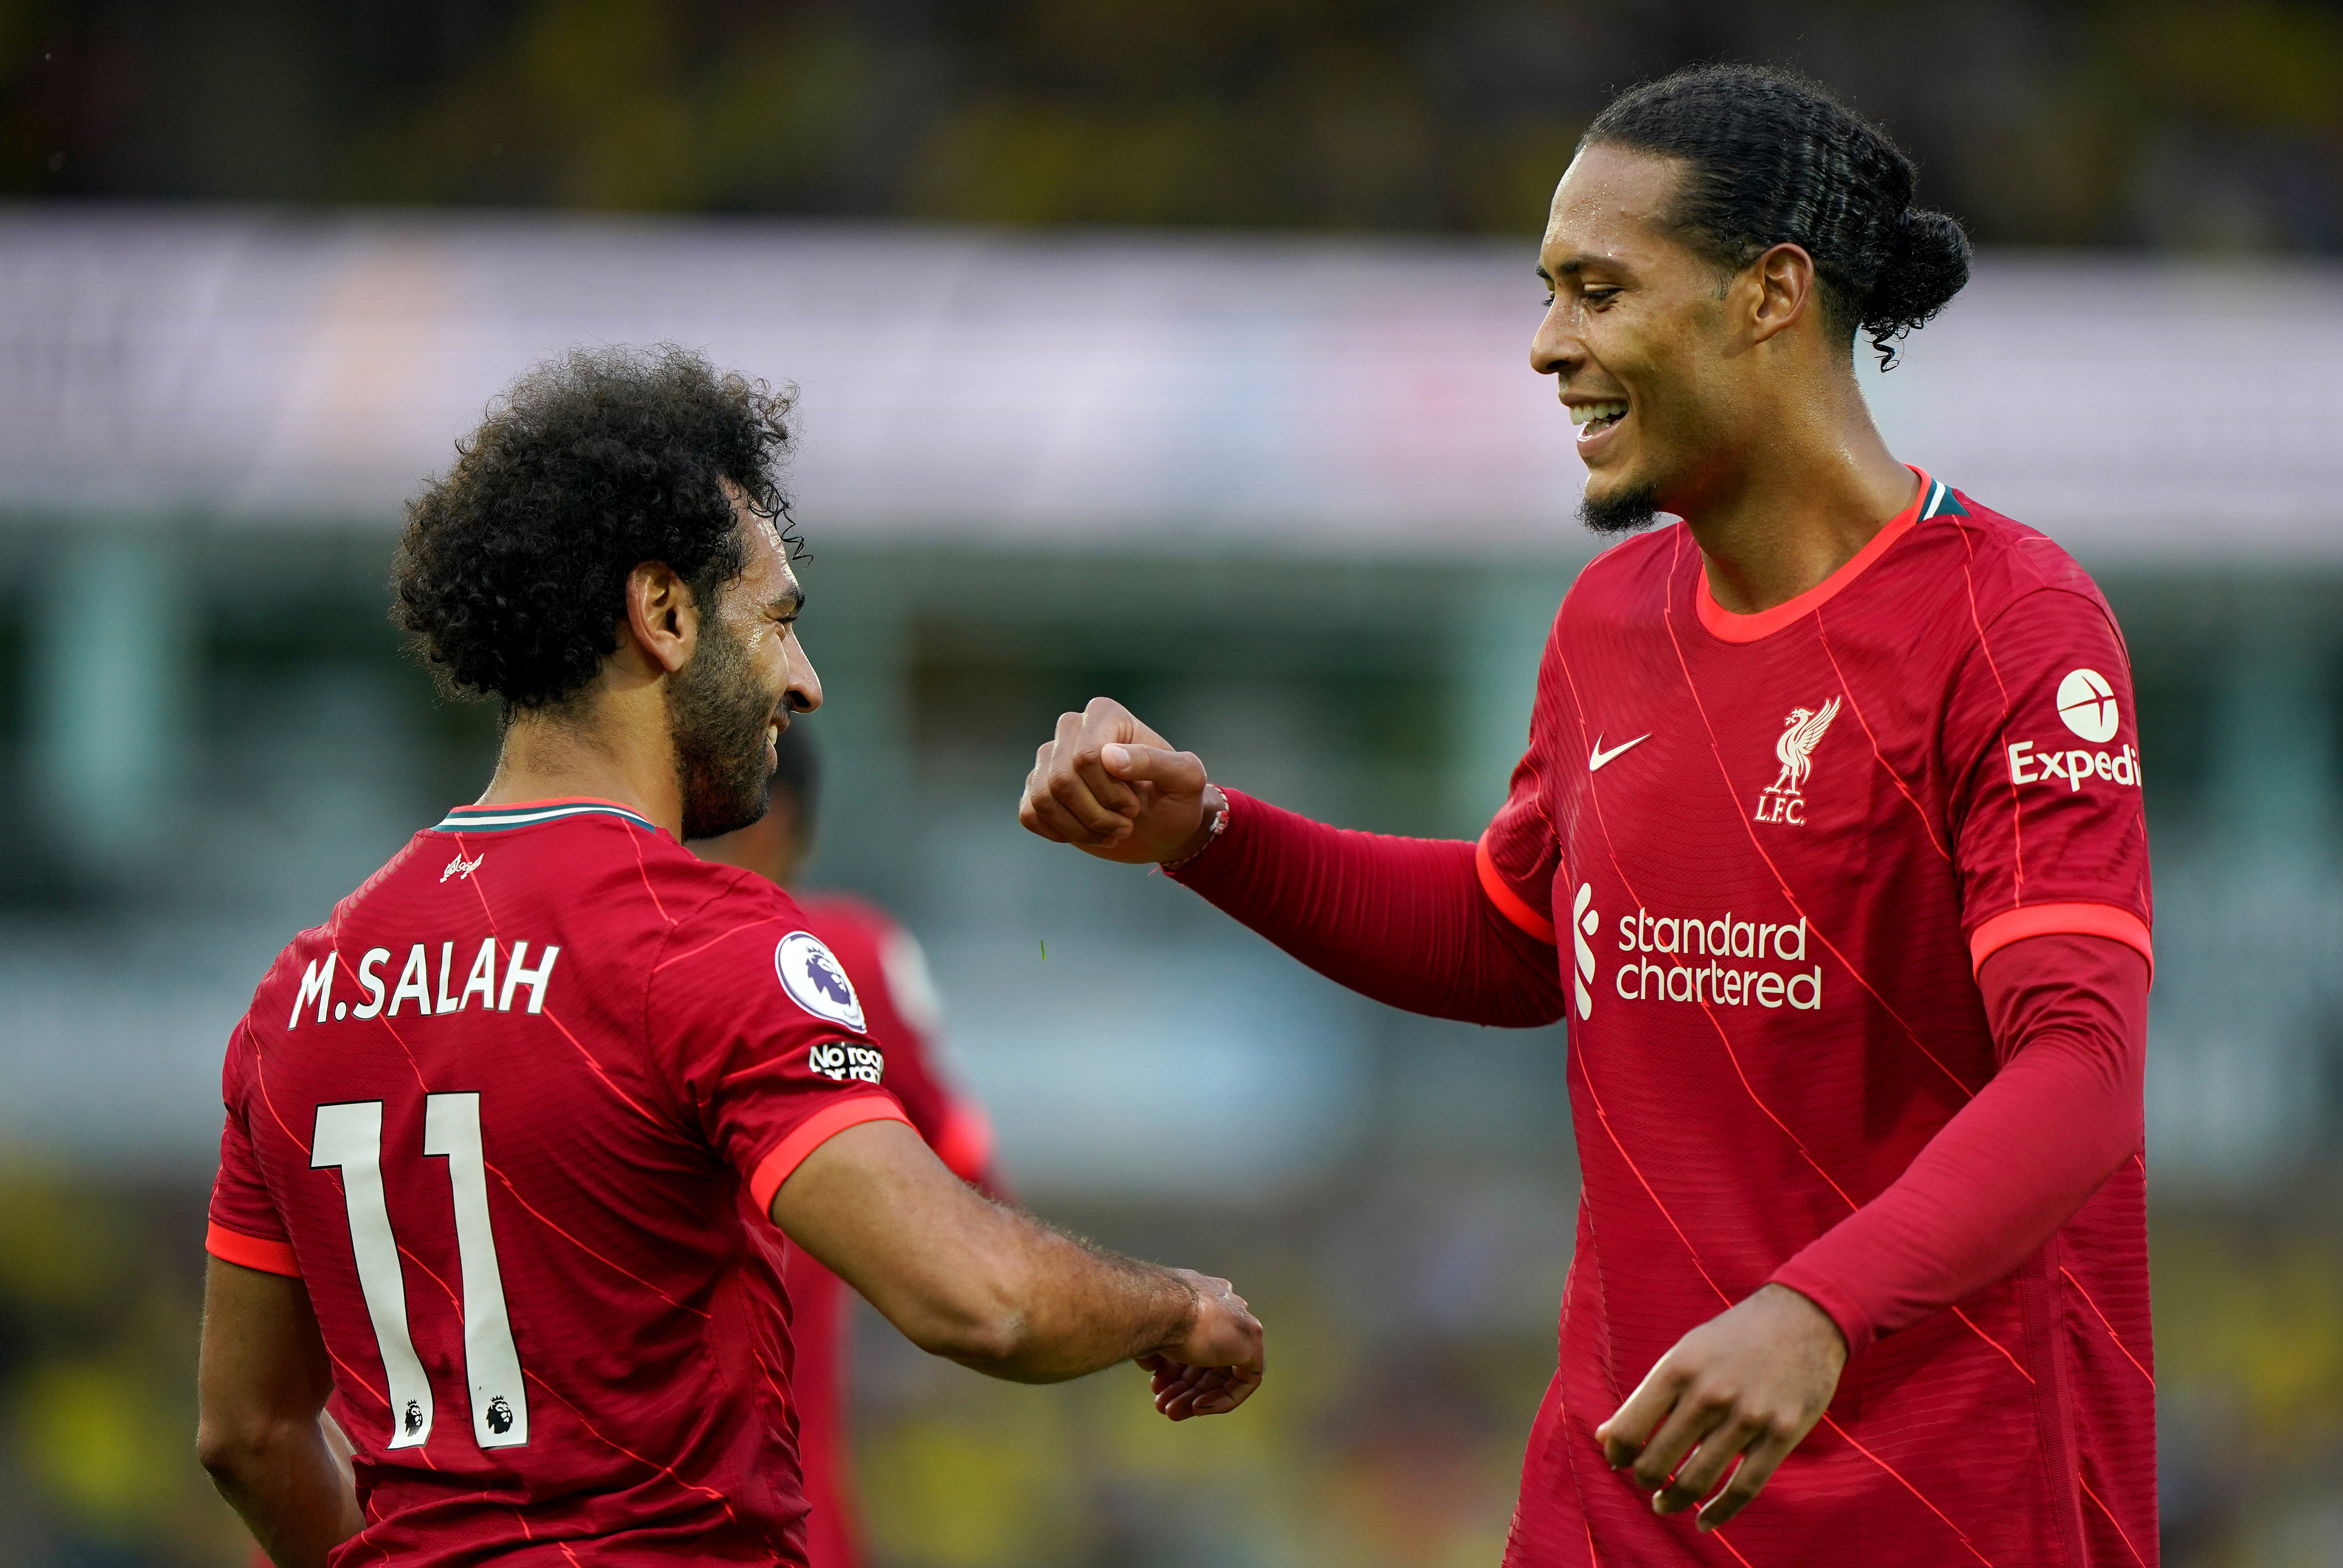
x: 817, y: 981
x: 2087, y: 707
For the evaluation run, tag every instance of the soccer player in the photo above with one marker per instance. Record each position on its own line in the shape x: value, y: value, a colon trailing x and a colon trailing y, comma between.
x: 1828, y: 842
x: 890, y: 975
x: 508, y: 1136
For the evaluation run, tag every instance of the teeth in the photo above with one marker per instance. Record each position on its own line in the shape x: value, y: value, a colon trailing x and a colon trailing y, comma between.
x: 772, y: 734
x: 1588, y: 413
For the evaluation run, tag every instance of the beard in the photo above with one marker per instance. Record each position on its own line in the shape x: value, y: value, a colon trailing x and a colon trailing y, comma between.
x: 1623, y: 513
x: 718, y: 710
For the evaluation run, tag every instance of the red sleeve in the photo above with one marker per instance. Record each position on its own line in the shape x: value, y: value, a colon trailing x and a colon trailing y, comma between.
x: 244, y: 1228
x: 774, y: 1056
x: 906, y: 1018
x: 1407, y: 922
x: 2070, y: 1017
x: 2043, y: 750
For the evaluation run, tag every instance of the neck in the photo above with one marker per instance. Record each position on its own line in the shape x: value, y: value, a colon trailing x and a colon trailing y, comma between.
x: 1800, y: 501
x: 593, y: 752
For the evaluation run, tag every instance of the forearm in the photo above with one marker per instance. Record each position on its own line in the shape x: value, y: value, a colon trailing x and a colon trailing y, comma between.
x: 1079, y: 1308
x: 965, y: 1278
x: 285, y: 1483
x: 1403, y: 921
x: 2015, y: 1163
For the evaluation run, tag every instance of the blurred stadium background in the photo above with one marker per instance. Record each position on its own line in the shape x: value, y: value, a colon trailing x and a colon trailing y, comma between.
x: 1172, y: 350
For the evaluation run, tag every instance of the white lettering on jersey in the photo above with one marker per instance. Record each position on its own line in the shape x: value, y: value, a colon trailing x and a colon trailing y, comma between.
x: 317, y: 980
x: 1714, y: 984
x: 843, y: 1059
x: 415, y: 982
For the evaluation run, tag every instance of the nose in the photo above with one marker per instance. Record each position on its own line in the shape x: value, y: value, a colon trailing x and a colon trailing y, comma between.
x: 1555, y: 348
x: 804, y: 694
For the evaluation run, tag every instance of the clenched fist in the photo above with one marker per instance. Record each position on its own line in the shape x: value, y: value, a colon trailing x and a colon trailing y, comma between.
x: 1113, y: 788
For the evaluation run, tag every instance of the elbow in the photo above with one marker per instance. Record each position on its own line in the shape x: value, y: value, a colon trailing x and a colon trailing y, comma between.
x: 987, y: 1343
x: 228, y: 1449
x: 980, y: 1320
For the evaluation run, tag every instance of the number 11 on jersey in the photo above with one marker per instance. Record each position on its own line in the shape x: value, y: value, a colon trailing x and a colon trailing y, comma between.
x: 349, y: 1137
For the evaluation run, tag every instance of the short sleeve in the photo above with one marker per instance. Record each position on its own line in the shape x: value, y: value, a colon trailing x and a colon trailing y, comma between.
x: 246, y: 1228
x: 769, y: 1040
x: 1518, y: 854
x: 2042, y: 746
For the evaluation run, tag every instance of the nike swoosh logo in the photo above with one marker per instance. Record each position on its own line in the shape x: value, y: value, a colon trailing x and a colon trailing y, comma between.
x: 1597, y: 758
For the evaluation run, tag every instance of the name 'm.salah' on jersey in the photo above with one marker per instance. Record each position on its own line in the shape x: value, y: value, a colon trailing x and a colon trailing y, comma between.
x: 515, y: 1115
x: 1771, y: 849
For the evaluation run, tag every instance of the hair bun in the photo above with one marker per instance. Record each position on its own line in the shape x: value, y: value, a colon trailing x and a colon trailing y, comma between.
x: 1926, y: 263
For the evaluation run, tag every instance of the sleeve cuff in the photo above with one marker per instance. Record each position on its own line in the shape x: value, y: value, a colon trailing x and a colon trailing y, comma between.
x: 810, y: 1134
x: 2061, y: 921
x: 1509, y: 903
x: 252, y: 1252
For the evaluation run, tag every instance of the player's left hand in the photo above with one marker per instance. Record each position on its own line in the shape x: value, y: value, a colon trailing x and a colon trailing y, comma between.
x: 1747, y: 1385
x: 1182, y: 1391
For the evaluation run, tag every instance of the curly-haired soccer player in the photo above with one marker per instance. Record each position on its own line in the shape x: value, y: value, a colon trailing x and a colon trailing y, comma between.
x: 508, y: 1135
x: 1828, y: 842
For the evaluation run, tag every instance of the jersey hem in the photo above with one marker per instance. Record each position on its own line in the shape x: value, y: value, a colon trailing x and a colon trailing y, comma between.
x: 252, y: 1252
x: 810, y: 1134
x: 2062, y: 920
x: 1729, y: 626
x: 1509, y: 904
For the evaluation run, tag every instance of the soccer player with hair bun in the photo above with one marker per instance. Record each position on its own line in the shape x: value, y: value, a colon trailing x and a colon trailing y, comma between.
x: 1828, y: 844
x: 513, y: 1138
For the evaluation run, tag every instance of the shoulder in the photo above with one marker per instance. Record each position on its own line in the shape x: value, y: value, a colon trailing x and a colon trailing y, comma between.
x: 1629, y: 584
x: 843, y: 920
x: 2003, y: 562
x: 707, y: 900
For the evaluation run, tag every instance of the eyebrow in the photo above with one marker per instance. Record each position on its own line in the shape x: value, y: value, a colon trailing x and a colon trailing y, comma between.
x: 1574, y: 265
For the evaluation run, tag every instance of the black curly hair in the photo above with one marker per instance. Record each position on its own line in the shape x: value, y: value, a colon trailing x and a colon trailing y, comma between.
x: 511, y: 578
x: 1773, y: 158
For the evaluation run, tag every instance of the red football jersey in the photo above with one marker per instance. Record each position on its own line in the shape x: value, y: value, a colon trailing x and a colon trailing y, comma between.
x: 1773, y: 848
x: 515, y: 1114
x: 891, y: 977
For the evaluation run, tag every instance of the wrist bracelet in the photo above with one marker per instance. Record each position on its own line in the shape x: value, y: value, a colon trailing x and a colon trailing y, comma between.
x: 1219, y: 825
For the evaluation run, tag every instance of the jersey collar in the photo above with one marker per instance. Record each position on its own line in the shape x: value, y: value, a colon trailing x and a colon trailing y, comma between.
x: 529, y: 813
x: 1936, y: 499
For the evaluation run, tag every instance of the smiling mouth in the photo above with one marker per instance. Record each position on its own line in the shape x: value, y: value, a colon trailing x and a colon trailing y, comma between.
x: 1593, y: 418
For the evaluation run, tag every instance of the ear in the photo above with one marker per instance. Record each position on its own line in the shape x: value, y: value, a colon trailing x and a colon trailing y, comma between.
x: 662, y: 618
x: 1784, y: 279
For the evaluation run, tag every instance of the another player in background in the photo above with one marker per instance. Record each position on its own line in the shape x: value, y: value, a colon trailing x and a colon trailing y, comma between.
x: 890, y: 975
x: 508, y: 1136
x: 1829, y: 842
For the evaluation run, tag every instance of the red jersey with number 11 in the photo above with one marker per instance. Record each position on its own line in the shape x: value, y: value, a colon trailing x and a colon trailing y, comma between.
x: 1772, y: 850
x: 515, y: 1115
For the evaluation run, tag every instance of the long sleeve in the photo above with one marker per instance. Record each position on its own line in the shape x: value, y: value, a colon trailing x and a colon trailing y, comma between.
x: 2070, y: 1018
x: 1404, y: 920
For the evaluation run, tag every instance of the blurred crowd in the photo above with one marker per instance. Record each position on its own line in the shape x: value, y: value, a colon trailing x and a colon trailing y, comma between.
x: 2187, y: 123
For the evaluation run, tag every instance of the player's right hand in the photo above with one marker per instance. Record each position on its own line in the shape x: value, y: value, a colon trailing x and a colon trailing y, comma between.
x: 1113, y: 788
x: 1215, y: 1366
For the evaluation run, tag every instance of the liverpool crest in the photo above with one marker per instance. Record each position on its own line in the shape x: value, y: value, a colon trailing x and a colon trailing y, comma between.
x: 1784, y: 800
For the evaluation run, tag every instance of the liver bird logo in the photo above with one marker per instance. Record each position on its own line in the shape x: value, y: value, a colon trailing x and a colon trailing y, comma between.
x: 1801, y: 732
